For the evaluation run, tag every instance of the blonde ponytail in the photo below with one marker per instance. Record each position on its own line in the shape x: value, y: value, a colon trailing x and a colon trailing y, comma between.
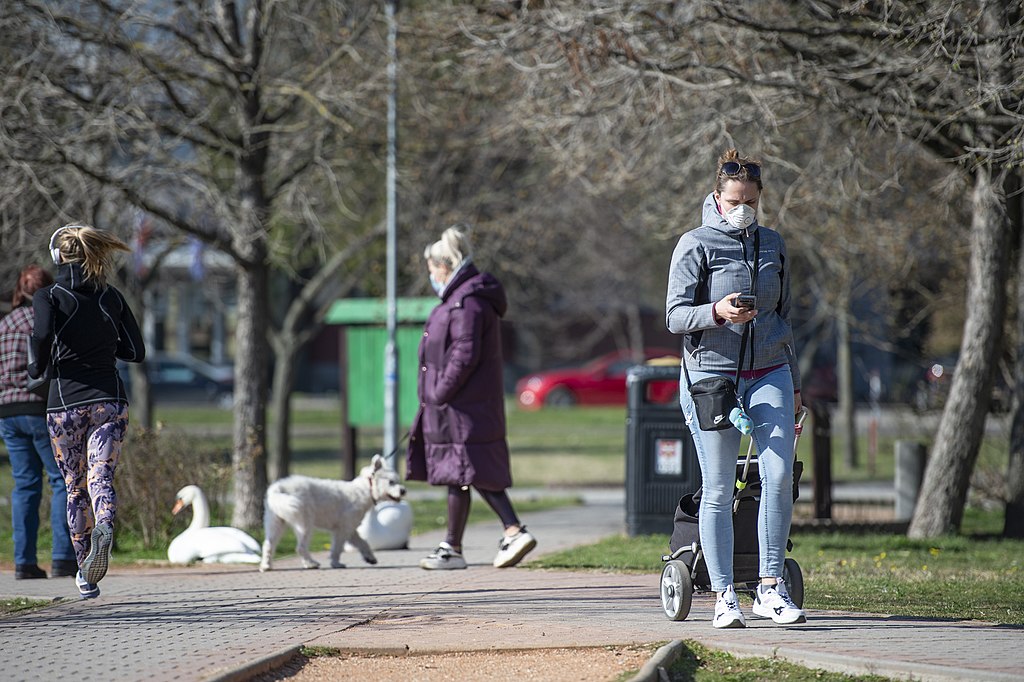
x: 91, y: 247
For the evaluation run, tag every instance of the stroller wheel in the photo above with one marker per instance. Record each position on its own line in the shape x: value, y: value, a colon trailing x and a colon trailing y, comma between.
x: 676, y: 590
x: 794, y: 578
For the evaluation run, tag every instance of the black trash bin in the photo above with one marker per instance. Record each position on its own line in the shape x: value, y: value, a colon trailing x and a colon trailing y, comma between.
x: 661, y: 464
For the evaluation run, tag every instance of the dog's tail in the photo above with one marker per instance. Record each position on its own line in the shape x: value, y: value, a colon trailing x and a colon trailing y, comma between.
x: 279, y: 505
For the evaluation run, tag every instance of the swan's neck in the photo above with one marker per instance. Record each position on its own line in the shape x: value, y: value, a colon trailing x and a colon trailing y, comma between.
x: 200, y: 513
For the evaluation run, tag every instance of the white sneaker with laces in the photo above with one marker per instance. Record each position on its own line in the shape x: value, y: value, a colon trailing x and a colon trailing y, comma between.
x: 444, y: 558
x: 727, y: 611
x: 513, y: 548
x: 773, y: 601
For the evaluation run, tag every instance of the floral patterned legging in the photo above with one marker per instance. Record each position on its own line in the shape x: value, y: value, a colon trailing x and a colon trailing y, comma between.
x: 87, y: 445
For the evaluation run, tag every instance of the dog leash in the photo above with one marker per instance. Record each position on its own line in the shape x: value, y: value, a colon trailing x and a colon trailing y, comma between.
x: 397, y: 445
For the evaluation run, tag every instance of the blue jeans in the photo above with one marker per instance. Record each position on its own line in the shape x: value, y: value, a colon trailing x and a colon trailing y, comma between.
x: 28, y: 445
x: 769, y: 404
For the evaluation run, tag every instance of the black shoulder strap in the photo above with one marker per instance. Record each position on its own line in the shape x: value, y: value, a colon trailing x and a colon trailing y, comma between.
x: 747, y: 333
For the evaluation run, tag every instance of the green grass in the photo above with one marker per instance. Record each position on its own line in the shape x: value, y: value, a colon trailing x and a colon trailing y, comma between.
x: 971, y: 576
x: 698, y: 663
x: 10, y: 607
x: 550, y: 447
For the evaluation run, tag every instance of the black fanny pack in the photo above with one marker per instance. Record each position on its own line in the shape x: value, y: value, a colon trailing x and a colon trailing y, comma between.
x: 713, y: 399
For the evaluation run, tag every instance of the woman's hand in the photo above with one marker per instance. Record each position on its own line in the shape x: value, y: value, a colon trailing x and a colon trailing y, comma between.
x: 725, y: 310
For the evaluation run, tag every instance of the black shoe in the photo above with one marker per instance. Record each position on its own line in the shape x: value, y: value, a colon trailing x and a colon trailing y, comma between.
x: 28, y: 572
x: 63, y: 568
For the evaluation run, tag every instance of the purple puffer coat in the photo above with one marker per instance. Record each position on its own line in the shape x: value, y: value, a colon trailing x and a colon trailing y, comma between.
x: 458, y: 435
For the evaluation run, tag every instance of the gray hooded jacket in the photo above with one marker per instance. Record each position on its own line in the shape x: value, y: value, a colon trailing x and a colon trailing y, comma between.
x: 713, y: 261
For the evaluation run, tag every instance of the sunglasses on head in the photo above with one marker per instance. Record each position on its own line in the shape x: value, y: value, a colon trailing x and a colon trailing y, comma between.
x: 734, y: 167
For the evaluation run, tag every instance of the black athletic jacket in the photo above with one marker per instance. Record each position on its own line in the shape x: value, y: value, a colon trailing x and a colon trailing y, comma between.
x: 83, y: 329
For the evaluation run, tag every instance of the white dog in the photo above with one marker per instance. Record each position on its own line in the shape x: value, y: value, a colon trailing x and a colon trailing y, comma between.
x: 305, y: 503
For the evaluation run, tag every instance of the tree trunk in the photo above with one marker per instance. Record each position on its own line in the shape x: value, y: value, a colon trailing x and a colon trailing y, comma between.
x: 844, y: 375
x: 285, y: 355
x: 141, y: 396
x: 249, y: 458
x: 940, y: 505
x: 1013, y: 521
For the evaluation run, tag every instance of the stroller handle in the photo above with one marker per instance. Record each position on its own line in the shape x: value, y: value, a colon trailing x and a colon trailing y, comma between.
x: 798, y: 426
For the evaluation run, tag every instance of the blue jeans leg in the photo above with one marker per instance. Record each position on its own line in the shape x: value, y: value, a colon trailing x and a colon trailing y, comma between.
x: 716, y: 454
x: 26, y: 468
x: 28, y: 444
x: 769, y: 403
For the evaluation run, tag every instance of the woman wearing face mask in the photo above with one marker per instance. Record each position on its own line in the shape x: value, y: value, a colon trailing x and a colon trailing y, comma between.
x: 712, y: 266
x: 458, y: 435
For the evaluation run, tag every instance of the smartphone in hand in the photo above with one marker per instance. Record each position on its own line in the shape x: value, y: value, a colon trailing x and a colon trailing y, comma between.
x: 747, y: 301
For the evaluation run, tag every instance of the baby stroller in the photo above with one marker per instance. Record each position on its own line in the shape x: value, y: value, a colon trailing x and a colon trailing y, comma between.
x: 685, y: 571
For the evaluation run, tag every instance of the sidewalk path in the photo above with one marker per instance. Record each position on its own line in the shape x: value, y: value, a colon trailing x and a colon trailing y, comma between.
x: 205, y: 622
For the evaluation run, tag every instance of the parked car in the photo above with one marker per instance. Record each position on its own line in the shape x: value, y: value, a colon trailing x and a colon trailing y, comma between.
x: 181, y: 378
x: 601, y: 381
x: 932, y: 390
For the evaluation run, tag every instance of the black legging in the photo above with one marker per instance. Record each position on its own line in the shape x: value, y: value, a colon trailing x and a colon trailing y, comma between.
x: 459, y: 500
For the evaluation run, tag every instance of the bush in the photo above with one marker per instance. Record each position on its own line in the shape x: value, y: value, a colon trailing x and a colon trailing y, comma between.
x: 154, y: 465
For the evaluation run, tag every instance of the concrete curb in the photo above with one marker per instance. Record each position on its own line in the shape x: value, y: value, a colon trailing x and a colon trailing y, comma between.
x: 662, y: 658
x: 257, y: 667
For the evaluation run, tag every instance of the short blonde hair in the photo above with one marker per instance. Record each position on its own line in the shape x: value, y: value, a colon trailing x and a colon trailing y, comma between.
x: 451, y: 249
x: 91, y: 247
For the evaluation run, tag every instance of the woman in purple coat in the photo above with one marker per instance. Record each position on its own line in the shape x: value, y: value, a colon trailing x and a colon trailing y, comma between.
x: 458, y: 436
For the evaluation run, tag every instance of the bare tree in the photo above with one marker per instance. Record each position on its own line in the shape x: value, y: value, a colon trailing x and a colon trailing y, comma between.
x: 303, y: 320
x: 942, y: 75
x: 1013, y: 523
x: 227, y: 118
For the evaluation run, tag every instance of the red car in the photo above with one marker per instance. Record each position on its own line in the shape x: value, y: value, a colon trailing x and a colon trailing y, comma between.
x: 602, y: 381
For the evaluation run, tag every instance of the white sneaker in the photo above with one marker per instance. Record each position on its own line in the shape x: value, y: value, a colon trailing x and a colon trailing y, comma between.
x: 773, y: 601
x: 727, y: 611
x: 444, y: 558
x: 86, y: 589
x: 512, y: 549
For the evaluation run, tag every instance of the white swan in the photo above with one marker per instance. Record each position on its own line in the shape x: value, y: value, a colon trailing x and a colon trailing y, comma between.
x: 219, y: 544
x: 386, y: 526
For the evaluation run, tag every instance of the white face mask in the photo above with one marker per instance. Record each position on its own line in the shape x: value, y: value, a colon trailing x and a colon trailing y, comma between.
x: 741, y: 217
x: 438, y: 287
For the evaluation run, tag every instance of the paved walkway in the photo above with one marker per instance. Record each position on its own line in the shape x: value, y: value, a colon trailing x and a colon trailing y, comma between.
x: 205, y: 623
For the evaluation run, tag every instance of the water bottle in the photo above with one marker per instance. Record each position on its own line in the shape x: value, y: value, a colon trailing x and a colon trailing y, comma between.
x: 741, y: 421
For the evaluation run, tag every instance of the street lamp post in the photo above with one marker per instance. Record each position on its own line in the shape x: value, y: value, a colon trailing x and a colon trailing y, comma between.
x: 391, y: 347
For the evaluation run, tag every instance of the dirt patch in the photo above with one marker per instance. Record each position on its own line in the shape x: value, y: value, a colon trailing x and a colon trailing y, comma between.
x: 591, y: 664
